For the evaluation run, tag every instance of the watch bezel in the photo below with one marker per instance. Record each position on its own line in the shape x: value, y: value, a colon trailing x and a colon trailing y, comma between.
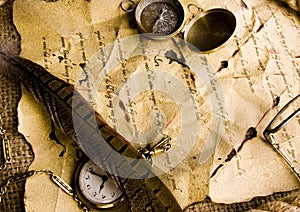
x: 84, y: 199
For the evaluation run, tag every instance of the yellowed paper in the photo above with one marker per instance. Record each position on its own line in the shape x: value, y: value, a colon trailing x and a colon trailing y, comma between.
x: 263, y: 62
x: 41, y: 192
x: 265, y: 67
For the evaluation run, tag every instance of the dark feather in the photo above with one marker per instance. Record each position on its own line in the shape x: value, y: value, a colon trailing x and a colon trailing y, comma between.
x: 76, y: 117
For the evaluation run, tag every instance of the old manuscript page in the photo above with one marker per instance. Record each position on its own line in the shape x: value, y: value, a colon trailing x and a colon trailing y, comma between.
x: 263, y: 64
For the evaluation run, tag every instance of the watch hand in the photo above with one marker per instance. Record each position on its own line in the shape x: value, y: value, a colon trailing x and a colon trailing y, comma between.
x: 63, y: 101
x: 96, y: 174
x: 104, y: 179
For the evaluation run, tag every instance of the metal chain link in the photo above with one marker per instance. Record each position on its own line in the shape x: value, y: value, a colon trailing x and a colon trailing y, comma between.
x: 66, y: 188
x: 15, y: 179
x: 80, y: 204
x: 5, y: 147
x: 55, y: 178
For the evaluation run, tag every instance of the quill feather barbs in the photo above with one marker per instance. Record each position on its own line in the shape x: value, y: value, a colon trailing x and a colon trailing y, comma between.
x: 76, y: 117
x: 67, y: 107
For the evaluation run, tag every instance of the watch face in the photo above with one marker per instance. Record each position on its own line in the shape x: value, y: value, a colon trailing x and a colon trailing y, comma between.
x: 96, y: 187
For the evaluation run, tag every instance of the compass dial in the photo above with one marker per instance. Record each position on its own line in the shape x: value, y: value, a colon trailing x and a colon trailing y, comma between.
x: 161, y: 18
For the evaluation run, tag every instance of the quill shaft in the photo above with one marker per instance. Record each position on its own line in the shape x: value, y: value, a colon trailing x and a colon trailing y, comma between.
x: 75, y: 116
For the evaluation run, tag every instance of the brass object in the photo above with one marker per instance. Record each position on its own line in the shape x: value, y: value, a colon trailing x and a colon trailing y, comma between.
x: 96, y: 188
x: 162, y: 19
x: 162, y: 146
x: 210, y: 29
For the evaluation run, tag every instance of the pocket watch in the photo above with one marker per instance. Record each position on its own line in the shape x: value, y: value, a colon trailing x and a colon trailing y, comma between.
x: 96, y: 188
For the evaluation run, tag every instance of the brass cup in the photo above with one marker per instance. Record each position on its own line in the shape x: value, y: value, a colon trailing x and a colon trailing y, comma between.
x: 209, y: 30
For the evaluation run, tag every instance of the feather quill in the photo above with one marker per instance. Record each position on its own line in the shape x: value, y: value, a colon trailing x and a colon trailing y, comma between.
x: 76, y: 117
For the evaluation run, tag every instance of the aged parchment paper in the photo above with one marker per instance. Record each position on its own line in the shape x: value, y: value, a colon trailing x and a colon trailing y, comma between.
x: 263, y: 62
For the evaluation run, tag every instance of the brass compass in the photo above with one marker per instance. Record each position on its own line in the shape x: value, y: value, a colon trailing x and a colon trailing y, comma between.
x: 160, y: 17
x: 163, y: 17
x: 206, y: 31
